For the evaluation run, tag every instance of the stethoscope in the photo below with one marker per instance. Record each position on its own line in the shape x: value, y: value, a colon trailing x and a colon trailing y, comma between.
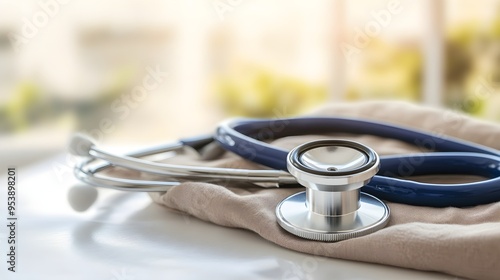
x: 333, y: 171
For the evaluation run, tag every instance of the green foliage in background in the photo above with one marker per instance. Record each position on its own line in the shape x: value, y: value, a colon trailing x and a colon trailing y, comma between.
x: 24, y: 107
x: 30, y: 104
x: 473, y: 69
x: 386, y: 71
x: 262, y: 93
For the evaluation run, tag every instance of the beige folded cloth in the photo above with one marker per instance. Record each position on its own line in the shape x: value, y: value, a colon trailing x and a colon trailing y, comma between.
x: 462, y: 242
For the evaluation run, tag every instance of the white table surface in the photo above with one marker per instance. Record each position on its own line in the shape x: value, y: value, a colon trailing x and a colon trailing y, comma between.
x: 124, y: 236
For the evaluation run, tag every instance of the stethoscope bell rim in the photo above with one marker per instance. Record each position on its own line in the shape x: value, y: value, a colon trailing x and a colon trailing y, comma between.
x: 294, y: 216
x: 332, y: 208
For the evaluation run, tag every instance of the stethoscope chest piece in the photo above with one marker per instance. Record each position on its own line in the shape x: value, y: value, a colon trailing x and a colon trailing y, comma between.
x: 332, y: 208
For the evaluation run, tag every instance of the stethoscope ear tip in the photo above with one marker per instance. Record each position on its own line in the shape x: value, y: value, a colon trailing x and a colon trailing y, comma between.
x: 81, y: 197
x: 80, y: 145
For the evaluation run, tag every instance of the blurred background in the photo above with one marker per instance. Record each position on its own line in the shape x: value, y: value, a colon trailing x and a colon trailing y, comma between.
x: 141, y: 72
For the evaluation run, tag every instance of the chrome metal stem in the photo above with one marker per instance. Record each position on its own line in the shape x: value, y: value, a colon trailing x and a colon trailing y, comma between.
x: 332, y: 203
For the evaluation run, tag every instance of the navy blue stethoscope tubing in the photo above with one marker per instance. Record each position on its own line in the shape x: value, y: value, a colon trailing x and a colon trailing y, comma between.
x: 247, y: 138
